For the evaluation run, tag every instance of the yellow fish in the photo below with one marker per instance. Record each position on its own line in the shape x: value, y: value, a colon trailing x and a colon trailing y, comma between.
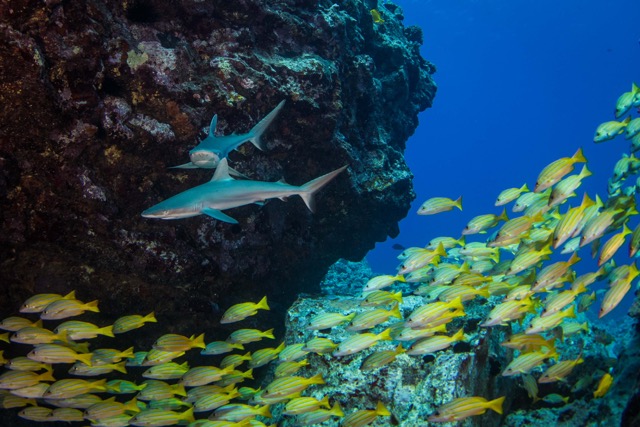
x: 612, y: 245
x: 241, y: 311
x: 370, y: 319
x: 63, y: 308
x: 524, y: 363
x: 603, y: 385
x: 375, y: 15
x: 464, y: 407
x: 542, y: 324
x: 328, y: 320
x: 359, y: 342
x: 14, y: 323
x: 161, y: 417
x: 265, y: 355
x: 559, y: 371
x: 54, y: 353
x: 302, y: 405
x: 610, y: 130
x: 382, y: 358
x: 319, y: 416
x: 380, y: 282
x: 431, y: 312
x: 556, y: 170
x: 626, y: 100
x: 510, y: 194
x: 37, y: 303
x: 364, y: 417
x: 439, y: 204
x: 177, y: 343
x: 565, y: 188
x: 527, y: 343
x: 435, y: 343
x: 481, y: 223
x: 129, y: 323
x: 64, y: 389
x: 286, y: 386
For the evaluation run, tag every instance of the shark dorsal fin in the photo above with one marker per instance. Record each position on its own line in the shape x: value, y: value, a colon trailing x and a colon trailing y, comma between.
x: 222, y: 171
x: 212, y: 126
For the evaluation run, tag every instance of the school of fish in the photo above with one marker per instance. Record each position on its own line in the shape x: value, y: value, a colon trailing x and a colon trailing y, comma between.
x: 511, y: 270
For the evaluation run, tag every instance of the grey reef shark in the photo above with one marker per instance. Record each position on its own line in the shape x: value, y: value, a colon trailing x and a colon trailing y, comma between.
x: 224, y: 192
x: 208, y: 153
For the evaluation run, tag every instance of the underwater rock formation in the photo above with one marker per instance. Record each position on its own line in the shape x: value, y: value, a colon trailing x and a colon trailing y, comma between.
x: 106, y: 95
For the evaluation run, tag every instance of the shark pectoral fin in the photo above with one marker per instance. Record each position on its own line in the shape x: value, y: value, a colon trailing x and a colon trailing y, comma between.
x: 256, y: 132
x: 235, y: 173
x: 219, y: 215
x: 189, y: 165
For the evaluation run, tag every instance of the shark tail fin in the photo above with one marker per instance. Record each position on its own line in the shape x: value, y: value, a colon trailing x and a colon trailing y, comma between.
x: 257, y: 131
x: 308, y: 190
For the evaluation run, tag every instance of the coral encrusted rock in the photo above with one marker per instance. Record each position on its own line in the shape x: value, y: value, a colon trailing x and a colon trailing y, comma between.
x: 101, y: 97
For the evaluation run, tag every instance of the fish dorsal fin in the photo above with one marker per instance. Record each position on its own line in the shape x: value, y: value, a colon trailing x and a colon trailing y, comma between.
x: 282, y: 181
x: 222, y: 171
x: 212, y: 125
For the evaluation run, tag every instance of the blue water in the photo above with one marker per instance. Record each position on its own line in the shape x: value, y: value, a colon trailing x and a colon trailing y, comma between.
x: 520, y: 84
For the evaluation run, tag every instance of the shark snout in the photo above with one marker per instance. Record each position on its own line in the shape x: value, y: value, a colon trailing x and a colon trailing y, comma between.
x: 204, y: 158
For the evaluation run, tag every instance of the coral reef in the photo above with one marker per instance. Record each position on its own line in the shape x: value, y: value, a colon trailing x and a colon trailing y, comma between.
x: 106, y: 95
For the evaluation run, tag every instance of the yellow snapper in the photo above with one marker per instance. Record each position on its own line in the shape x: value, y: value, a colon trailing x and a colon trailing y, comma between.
x: 560, y: 300
x: 359, y: 342
x: 289, y: 368
x: 36, y: 413
x: 54, y: 353
x: 372, y: 318
x: 375, y: 15
x: 235, y: 360
x: 292, y: 352
x: 435, y: 343
x: 380, y: 282
x: 439, y: 204
x: 419, y: 260
x: 157, y: 390
x: 510, y: 194
x: 556, y: 170
x: 286, y: 386
x: 542, y: 324
x: 160, y: 417
x: 603, y: 386
x: 64, y: 389
x: 22, y: 363
x: 12, y: 380
x: 14, y: 323
x: 529, y: 199
x: 565, y: 188
x: 176, y: 343
x: 241, y: 311
x: 409, y: 334
x: 63, y: 308
x: 377, y: 298
x: 320, y: 345
x: 559, y: 371
x: 265, y: 355
x: 77, y: 330
x: 328, y: 320
x: 464, y: 407
x: 245, y: 336
x: 302, y: 405
x: 166, y: 371
x: 632, y: 129
x: 382, y: 358
x: 481, y: 223
x: 220, y: 347
x: 37, y: 303
x: 67, y: 415
x: 129, y: 323
x: 81, y: 369
x: 110, y: 355
x: 34, y: 335
x: 447, y: 242
x: 527, y: 343
x: 531, y: 386
x: 614, y: 295
x: 464, y: 292
x: 524, y: 363
x: 365, y: 417
x: 508, y: 311
x: 626, y: 100
x: 238, y: 412
x: 203, y: 375
x: 212, y: 401
x: 610, y: 130
x: 431, y: 312
x: 319, y: 416
x: 110, y: 408
x: 612, y: 245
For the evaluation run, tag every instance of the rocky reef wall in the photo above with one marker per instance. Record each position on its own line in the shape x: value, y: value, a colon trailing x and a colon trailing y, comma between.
x: 101, y: 97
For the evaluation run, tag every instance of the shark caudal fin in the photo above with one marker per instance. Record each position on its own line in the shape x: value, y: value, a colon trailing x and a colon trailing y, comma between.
x: 256, y: 132
x: 307, y: 190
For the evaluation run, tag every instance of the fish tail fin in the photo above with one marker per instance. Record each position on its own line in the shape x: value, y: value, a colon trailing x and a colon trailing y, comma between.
x: 70, y: 295
x: 336, y: 410
x: 496, y: 405
x: 626, y: 121
x: 524, y: 188
x: 257, y: 131
x: 179, y: 390
x: 132, y: 405
x: 128, y: 353
x: 458, y: 336
x: 325, y: 402
x: 382, y: 410
x: 263, y: 304
x: 400, y: 278
x: 385, y: 335
x: 307, y: 190
x: 456, y: 303
x: 316, y: 379
x: 395, y: 312
x: 248, y: 374
x: 268, y: 333
x: 151, y: 317
x: 578, y: 157
x: 107, y: 331
x: 47, y: 376
x: 120, y: 367
x: 397, y: 297
x: 188, y: 415
x: 503, y: 216
x: 199, y: 341
x: 458, y: 203
x: 585, y: 172
x: 93, y: 306
x: 85, y: 358
x: 264, y: 411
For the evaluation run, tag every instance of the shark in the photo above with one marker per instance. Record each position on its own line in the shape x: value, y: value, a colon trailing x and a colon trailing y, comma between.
x: 224, y: 192
x: 209, y: 151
